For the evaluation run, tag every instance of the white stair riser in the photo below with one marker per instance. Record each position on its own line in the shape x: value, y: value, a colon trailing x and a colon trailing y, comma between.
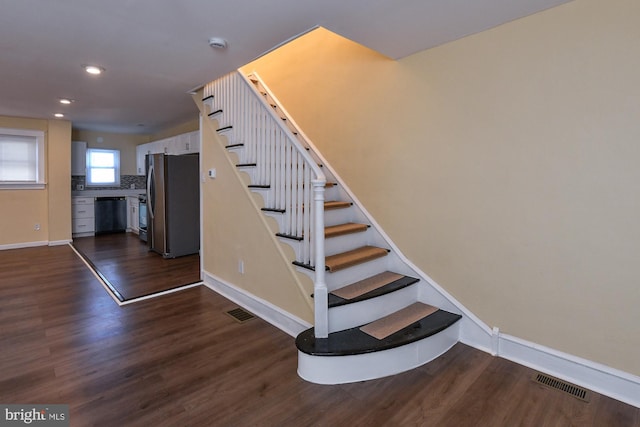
x: 363, y: 312
x: 294, y: 244
x: 250, y: 171
x: 347, y: 276
x: 217, y: 116
x: 278, y: 217
x: 338, y: 216
x: 361, y: 367
x: 208, y: 105
x: 336, y: 245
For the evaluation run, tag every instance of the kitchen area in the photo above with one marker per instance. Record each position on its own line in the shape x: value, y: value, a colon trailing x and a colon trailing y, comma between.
x: 140, y: 199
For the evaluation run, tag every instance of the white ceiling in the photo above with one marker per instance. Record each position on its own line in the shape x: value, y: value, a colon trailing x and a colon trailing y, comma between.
x: 155, y: 51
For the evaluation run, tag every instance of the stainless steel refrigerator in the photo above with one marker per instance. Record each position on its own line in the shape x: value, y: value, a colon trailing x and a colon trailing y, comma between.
x: 173, y: 204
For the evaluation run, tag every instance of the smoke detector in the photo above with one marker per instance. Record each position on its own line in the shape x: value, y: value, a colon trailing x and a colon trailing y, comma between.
x: 217, y: 43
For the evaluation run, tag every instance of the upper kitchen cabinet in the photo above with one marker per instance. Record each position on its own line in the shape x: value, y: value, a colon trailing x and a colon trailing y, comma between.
x: 185, y: 143
x: 79, y: 158
x: 141, y: 151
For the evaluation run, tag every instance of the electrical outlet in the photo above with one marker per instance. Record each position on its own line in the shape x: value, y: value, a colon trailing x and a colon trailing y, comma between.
x: 36, y: 227
x: 241, y: 266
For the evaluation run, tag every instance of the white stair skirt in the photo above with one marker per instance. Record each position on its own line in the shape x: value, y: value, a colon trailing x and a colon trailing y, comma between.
x: 378, y: 364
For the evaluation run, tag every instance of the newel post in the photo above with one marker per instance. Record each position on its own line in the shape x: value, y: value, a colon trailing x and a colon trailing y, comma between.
x: 320, y: 293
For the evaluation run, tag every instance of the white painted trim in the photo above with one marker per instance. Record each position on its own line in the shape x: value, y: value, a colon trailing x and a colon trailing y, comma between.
x: 279, y: 318
x: 104, y: 285
x: 132, y: 300
x: 159, y: 294
x: 600, y: 378
x: 59, y: 242
x: 23, y: 245
x: 377, y: 364
x: 203, y: 179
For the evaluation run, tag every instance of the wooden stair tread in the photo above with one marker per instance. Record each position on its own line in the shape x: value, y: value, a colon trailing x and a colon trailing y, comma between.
x: 394, y: 322
x: 354, y: 257
x: 331, y: 231
x: 353, y: 341
x: 342, y: 229
x: 327, y: 205
x: 336, y: 204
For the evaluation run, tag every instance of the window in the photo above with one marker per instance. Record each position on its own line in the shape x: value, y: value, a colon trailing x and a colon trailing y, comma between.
x: 103, y: 168
x: 21, y: 158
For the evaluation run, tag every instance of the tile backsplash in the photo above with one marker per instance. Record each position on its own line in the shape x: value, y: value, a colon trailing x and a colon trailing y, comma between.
x: 125, y: 183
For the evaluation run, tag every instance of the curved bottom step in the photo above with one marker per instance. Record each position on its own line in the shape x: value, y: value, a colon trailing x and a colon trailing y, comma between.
x: 324, y: 369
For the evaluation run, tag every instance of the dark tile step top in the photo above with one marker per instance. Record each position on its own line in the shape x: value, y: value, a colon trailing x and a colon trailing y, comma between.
x: 336, y: 301
x: 353, y: 341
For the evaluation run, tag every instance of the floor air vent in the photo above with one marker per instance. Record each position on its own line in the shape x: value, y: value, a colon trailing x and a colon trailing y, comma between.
x: 575, y: 391
x: 240, y: 315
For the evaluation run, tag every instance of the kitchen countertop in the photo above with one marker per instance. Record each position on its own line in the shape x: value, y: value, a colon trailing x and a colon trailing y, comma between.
x: 108, y: 193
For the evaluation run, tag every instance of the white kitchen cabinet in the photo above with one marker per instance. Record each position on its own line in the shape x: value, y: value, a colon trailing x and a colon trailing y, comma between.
x: 78, y: 158
x: 185, y: 143
x: 194, y: 141
x: 133, y: 219
x: 82, y: 216
x: 166, y: 146
x: 141, y: 151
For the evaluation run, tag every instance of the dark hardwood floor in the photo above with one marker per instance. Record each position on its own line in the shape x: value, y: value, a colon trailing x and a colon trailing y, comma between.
x: 131, y: 270
x: 179, y: 360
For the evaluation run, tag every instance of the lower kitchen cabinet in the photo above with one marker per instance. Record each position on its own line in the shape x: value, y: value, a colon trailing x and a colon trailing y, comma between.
x: 83, y: 216
x: 133, y: 219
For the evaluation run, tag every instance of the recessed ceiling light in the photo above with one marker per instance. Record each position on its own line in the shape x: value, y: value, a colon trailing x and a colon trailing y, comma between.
x: 93, y: 69
x: 59, y: 115
x: 66, y: 101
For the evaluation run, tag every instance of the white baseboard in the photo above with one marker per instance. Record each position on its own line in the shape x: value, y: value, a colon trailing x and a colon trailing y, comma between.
x: 600, y: 378
x: 59, y: 242
x: 34, y: 244
x: 279, y: 318
x: 23, y: 245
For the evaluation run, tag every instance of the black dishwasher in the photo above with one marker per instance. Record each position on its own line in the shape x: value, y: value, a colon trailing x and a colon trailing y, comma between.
x: 111, y: 214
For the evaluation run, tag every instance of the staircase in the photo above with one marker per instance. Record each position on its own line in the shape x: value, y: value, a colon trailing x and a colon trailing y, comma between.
x: 373, y: 312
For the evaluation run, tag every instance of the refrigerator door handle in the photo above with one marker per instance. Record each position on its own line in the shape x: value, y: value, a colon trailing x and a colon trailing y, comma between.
x: 149, y: 197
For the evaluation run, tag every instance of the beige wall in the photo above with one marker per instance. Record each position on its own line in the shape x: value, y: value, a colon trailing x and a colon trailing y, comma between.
x: 189, y: 126
x: 126, y: 143
x: 503, y: 164
x: 50, y: 207
x: 59, y: 175
x: 235, y: 230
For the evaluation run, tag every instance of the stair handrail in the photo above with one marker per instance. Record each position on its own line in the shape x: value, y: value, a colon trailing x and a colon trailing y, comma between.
x: 321, y: 294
